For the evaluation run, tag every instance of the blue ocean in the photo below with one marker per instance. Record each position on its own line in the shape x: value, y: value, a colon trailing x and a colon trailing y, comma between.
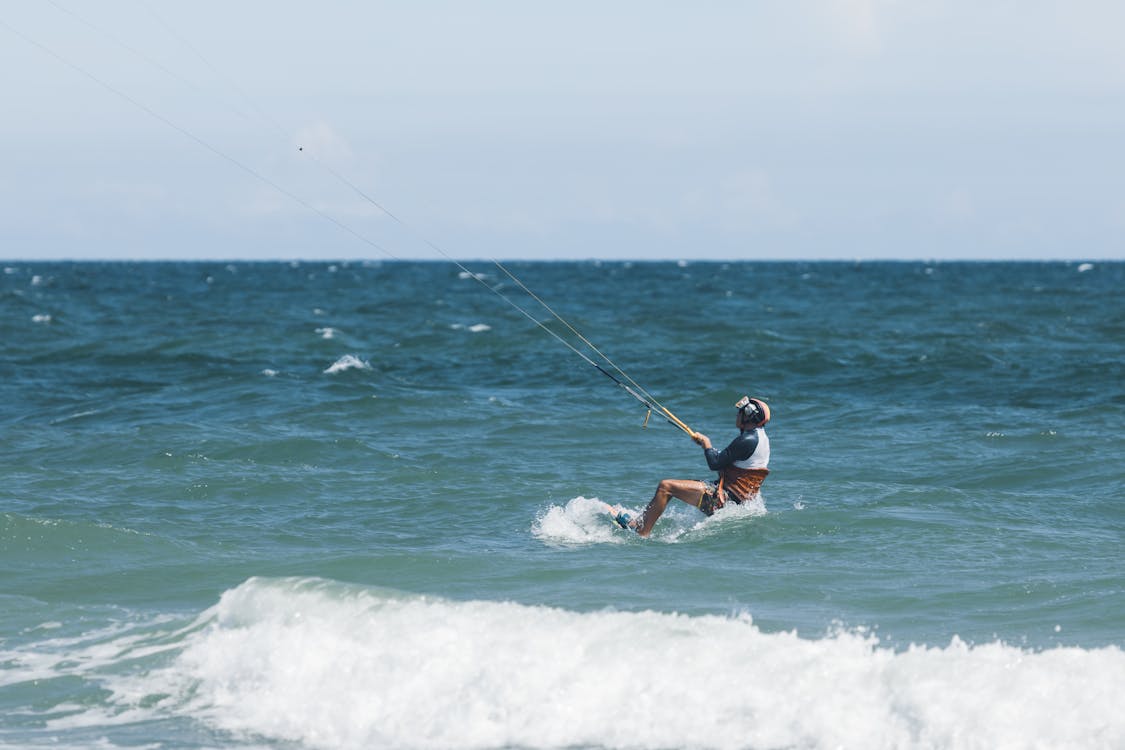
x: 361, y: 505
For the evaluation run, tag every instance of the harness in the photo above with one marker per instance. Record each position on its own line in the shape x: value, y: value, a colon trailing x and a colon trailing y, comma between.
x: 743, y: 483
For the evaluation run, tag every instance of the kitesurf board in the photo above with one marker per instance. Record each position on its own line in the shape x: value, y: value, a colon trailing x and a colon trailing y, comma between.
x: 619, y: 516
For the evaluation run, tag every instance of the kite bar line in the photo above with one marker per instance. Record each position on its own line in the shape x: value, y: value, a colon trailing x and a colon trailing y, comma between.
x: 628, y: 384
x: 631, y: 386
x: 648, y: 400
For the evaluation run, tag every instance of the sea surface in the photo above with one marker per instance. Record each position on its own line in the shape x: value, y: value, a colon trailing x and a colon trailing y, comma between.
x: 361, y: 505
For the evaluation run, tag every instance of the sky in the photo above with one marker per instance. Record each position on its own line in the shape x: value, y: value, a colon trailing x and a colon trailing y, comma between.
x: 795, y: 129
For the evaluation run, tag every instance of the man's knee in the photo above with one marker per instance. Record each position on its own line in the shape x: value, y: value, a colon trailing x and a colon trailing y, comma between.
x: 667, y: 488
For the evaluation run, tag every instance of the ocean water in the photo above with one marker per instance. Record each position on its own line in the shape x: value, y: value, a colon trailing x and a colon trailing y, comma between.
x: 359, y: 505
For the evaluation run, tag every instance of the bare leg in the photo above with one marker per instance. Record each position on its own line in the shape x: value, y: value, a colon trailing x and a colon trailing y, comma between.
x: 689, y: 490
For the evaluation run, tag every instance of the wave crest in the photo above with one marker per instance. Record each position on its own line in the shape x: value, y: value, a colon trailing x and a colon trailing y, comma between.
x: 342, y: 666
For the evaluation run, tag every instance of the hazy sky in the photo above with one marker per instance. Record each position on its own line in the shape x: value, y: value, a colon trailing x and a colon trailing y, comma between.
x: 726, y: 130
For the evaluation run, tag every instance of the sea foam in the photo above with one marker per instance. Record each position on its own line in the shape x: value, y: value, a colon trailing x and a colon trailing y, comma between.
x: 342, y: 666
x: 584, y: 520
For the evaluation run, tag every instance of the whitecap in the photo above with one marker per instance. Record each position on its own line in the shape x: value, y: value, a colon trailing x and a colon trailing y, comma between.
x: 475, y: 328
x: 76, y: 415
x: 270, y: 373
x: 348, y: 362
x: 1084, y: 267
x: 43, y: 318
x: 49, y: 625
x: 327, y: 333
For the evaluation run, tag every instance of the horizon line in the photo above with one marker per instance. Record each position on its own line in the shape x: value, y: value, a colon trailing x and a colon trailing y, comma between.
x: 677, y: 260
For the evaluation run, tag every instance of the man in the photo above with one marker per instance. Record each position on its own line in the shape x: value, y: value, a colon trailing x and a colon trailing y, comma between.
x: 742, y: 467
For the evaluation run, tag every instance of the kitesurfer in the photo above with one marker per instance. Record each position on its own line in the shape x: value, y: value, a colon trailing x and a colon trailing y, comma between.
x: 742, y: 466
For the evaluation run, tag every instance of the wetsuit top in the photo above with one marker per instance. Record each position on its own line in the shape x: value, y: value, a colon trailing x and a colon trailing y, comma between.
x: 743, y: 464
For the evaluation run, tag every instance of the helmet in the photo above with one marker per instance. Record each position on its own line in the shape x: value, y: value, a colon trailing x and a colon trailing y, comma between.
x: 753, y: 410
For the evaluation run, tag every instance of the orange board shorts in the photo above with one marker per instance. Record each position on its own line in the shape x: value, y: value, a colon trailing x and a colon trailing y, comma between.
x: 711, y: 501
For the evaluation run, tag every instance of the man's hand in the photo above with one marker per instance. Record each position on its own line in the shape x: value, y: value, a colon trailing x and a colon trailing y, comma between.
x: 701, y: 439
